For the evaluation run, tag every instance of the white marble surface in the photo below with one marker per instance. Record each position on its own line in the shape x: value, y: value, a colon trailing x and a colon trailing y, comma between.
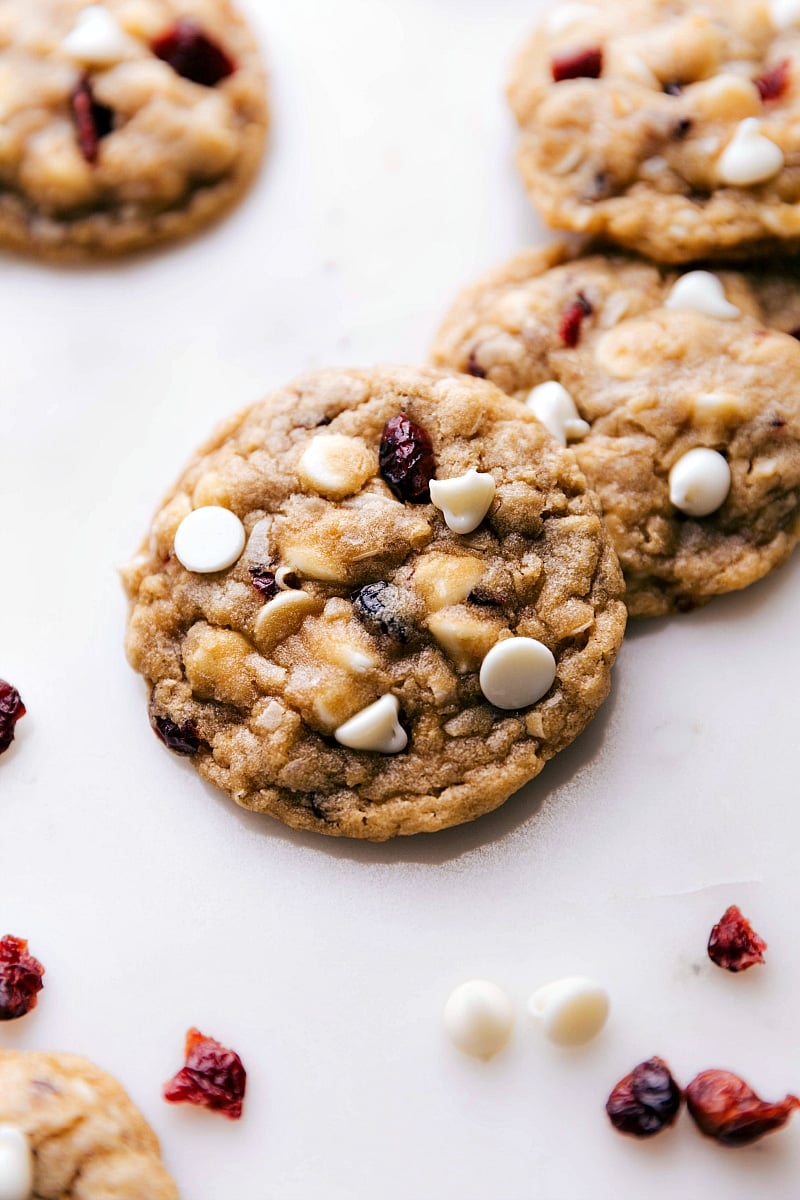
x: 156, y: 905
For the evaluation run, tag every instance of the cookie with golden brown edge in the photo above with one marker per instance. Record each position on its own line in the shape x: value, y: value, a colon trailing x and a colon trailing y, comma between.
x: 376, y: 603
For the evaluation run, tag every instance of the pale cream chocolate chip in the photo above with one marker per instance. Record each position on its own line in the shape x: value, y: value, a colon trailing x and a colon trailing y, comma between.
x: 552, y: 404
x: 282, y: 616
x: 336, y: 466
x: 572, y: 1010
x: 517, y: 672
x: 465, y: 637
x: 375, y: 728
x: 464, y: 500
x: 97, y: 38
x: 699, y: 482
x: 726, y: 97
x: 478, y: 1018
x: 701, y: 291
x: 209, y: 539
x: 215, y: 661
x: 445, y: 579
x: 750, y: 157
x: 16, y: 1164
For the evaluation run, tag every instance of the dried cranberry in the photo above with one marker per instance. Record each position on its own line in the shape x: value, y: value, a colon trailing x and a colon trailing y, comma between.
x: 574, y: 315
x: 11, y: 709
x: 406, y: 459
x: 646, y: 1101
x: 20, y: 978
x: 726, y: 1108
x: 485, y: 598
x: 192, y: 54
x: 93, y: 121
x: 213, y: 1077
x: 180, y: 739
x: 381, y: 607
x: 474, y: 367
x: 264, y: 582
x: 773, y: 83
x: 682, y: 129
x: 580, y: 64
x: 734, y: 945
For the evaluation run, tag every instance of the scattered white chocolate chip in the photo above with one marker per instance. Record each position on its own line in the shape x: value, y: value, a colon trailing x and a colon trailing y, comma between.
x: 282, y: 616
x: 785, y: 13
x: 336, y: 466
x: 749, y: 157
x: 478, y: 1018
x: 699, y: 482
x: 96, y: 38
x: 209, y: 539
x: 567, y: 17
x: 464, y: 500
x: 517, y: 672
x: 572, y: 1010
x: 701, y: 291
x: 286, y: 579
x: 375, y: 728
x: 16, y: 1164
x: 555, y: 408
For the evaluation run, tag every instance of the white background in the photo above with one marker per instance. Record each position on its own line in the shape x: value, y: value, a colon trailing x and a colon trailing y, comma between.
x: 155, y: 904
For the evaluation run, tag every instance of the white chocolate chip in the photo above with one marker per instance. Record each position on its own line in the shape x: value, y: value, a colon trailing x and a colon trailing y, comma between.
x: 750, y: 157
x: 715, y: 405
x: 375, y: 728
x: 699, y: 482
x: 209, y: 539
x: 555, y: 408
x: 572, y: 1010
x: 96, y: 38
x: 16, y: 1164
x: 336, y: 466
x: 701, y: 291
x: 465, y: 500
x: 785, y: 13
x: 478, y: 1018
x: 282, y: 616
x: 517, y: 672
x: 567, y: 17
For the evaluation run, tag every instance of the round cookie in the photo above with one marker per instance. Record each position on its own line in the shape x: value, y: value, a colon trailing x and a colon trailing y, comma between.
x: 335, y: 672
x: 125, y: 123
x: 657, y: 366
x: 71, y: 1130
x: 668, y: 126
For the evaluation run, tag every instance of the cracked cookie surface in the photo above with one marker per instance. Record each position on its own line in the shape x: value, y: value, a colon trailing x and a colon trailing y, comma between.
x: 346, y: 596
x: 654, y: 382
x: 125, y: 123
x: 668, y: 126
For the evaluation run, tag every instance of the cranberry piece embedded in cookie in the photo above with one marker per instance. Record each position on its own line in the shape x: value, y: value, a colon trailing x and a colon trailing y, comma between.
x: 580, y: 64
x: 11, y: 709
x: 773, y: 83
x: 570, y: 328
x: 646, y: 1101
x: 474, y: 368
x: 93, y: 121
x: 192, y: 54
x: 20, y: 978
x: 406, y: 459
x: 734, y: 945
x: 180, y: 739
x: 213, y: 1077
x: 727, y: 1109
x: 264, y: 582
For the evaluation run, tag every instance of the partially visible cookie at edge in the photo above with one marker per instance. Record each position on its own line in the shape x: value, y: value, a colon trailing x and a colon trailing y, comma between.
x: 329, y: 658
x: 671, y: 127
x: 75, y: 1131
x: 125, y: 123
x: 657, y: 365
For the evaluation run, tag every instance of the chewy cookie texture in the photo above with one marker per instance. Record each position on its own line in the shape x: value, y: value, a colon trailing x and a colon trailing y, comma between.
x: 125, y: 123
x: 376, y: 603
x: 668, y: 126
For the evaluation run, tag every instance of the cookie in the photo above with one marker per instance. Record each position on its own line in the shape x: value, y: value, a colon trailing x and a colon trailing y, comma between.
x: 125, y: 123
x: 642, y: 369
x: 376, y: 603
x: 668, y: 126
x: 68, y: 1131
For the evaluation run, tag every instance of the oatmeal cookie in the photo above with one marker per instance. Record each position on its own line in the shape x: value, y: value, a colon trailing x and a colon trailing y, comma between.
x: 125, y: 123
x: 642, y: 369
x: 68, y: 1131
x: 376, y: 603
x: 668, y: 126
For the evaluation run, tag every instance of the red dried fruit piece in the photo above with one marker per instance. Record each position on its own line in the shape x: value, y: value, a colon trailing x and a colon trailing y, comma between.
x: 20, y: 978
x: 580, y: 64
x: 773, y: 83
x: 646, y: 1101
x: 406, y: 459
x: 474, y: 368
x: 93, y: 121
x: 11, y: 709
x: 264, y: 582
x: 180, y: 739
x: 192, y: 54
x: 213, y: 1077
x: 727, y: 1109
x: 574, y: 315
x: 734, y: 945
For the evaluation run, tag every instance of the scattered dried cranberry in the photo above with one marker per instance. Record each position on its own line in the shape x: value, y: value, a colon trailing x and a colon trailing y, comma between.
x: 11, y: 709
x: 581, y: 64
x: 646, y: 1101
x: 406, y: 459
x: 486, y: 598
x: 726, y: 1108
x: 180, y: 739
x: 734, y: 945
x: 192, y: 54
x: 773, y: 83
x: 213, y: 1077
x: 381, y: 607
x: 20, y: 978
x: 264, y: 582
x: 574, y: 315
x: 474, y: 367
x: 92, y: 120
